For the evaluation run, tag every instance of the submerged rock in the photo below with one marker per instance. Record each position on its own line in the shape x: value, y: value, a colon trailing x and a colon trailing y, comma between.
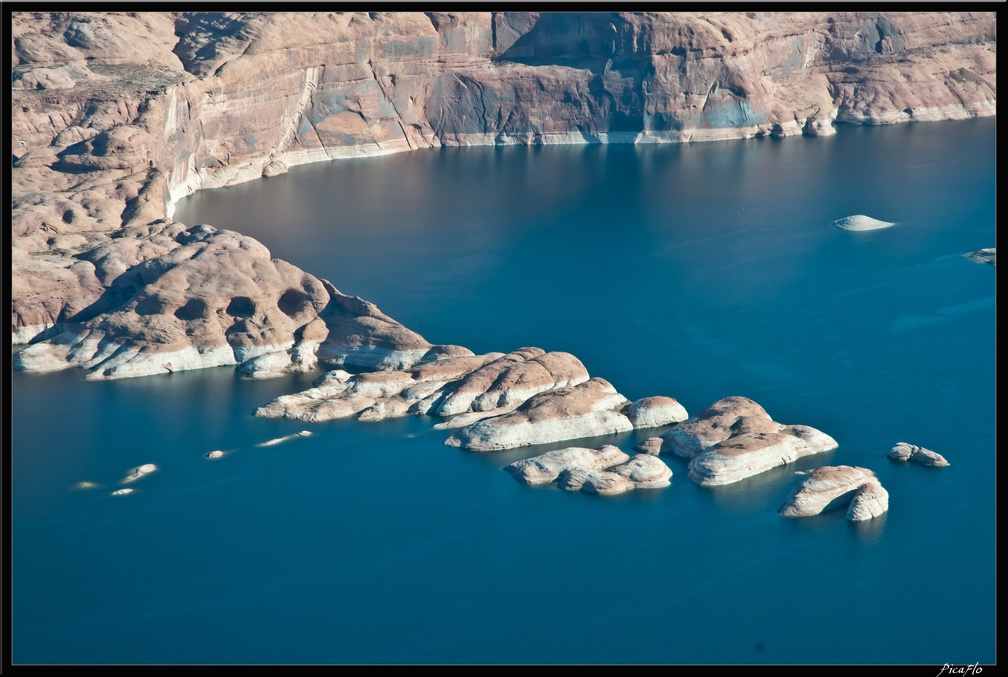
x: 984, y: 256
x: 904, y: 452
x: 839, y: 486
x: 140, y: 471
x: 861, y: 222
x: 735, y: 438
x: 285, y: 438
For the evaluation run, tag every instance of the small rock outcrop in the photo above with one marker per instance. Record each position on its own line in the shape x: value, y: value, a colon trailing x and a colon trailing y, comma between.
x: 834, y: 487
x: 988, y: 255
x: 286, y: 438
x: 735, y: 438
x: 651, y: 446
x: 138, y: 472
x: 605, y: 471
x: 860, y: 222
x: 904, y: 452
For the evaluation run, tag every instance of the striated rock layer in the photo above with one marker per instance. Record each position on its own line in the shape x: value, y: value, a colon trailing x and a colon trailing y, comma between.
x: 116, y: 115
x: 495, y: 401
x: 988, y: 255
x: 860, y: 222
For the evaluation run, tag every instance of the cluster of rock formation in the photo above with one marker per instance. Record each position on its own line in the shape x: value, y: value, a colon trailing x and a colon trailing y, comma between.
x: 495, y: 401
x: 132, y: 475
x: 116, y: 115
x: 139, y: 471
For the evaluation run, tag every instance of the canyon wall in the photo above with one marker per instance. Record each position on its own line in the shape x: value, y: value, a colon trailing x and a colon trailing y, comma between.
x: 115, y: 116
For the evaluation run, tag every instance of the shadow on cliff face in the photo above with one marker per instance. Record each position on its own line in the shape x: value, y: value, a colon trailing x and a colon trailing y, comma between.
x: 577, y: 40
x: 206, y: 39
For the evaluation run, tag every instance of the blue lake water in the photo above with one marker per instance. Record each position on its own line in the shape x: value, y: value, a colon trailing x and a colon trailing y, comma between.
x: 696, y: 271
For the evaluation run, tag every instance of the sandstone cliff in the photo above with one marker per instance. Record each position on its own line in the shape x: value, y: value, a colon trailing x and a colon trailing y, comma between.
x: 116, y: 115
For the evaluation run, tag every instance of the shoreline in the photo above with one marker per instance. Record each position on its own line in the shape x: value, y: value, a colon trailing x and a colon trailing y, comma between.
x: 254, y: 171
x: 111, y: 132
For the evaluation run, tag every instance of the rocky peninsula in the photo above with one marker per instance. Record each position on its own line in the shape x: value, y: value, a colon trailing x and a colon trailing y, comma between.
x: 117, y: 115
x: 904, y: 452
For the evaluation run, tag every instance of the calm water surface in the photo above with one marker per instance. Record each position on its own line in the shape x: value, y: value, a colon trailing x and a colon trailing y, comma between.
x: 695, y: 271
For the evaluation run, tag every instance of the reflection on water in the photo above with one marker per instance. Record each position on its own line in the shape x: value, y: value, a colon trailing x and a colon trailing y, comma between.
x: 869, y: 532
